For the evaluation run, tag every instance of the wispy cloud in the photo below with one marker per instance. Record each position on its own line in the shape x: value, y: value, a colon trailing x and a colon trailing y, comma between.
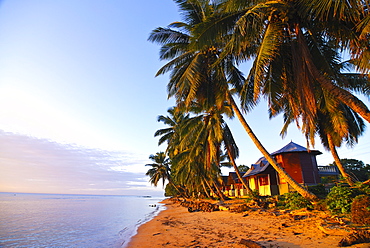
x: 37, y: 165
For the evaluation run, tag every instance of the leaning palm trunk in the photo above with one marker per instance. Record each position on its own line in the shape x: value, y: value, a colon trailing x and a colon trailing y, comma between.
x: 246, y: 186
x: 337, y: 161
x: 205, y: 190
x: 177, y: 189
x: 219, y: 193
x: 210, y: 187
x: 366, y: 182
x: 300, y: 189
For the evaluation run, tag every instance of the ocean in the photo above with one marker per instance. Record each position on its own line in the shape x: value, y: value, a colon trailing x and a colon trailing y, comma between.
x: 55, y: 220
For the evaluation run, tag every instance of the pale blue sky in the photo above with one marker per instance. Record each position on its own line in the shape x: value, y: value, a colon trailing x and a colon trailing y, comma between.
x: 77, y: 90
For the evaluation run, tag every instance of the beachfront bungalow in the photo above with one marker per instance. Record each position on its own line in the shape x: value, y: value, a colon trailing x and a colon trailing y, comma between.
x: 296, y: 160
x: 232, y: 186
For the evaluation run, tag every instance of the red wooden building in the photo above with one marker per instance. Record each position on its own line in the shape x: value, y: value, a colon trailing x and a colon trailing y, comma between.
x: 296, y: 160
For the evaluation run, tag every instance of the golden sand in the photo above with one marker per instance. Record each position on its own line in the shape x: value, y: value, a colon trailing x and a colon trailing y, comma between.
x: 176, y: 227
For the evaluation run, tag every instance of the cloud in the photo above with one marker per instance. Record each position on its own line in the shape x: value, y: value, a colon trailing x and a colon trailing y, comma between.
x: 29, y: 164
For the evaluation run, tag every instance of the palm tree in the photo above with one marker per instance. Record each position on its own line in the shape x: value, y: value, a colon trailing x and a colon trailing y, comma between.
x: 192, y: 81
x: 334, y: 126
x: 289, y: 56
x: 338, y: 124
x: 160, y: 169
x: 194, y: 78
x: 337, y: 161
x: 334, y: 122
x: 191, y: 172
x: 233, y: 153
x: 348, y: 22
x: 288, y: 52
x: 202, y: 139
x: 299, y: 188
x: 332, y: 138
x: 171, y: 134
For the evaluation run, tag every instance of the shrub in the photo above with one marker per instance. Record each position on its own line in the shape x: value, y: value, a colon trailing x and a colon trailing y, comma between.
x: 294, y: 201
x: 360, y: 210
x: 321, y: 205
x: 318, y: 190
x: 253, y: 196
x: 340, y: 198
x: 364, y: 188
x: 170, y: 190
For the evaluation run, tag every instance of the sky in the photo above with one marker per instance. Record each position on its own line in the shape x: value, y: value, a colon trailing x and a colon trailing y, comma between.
x: 79, y: 99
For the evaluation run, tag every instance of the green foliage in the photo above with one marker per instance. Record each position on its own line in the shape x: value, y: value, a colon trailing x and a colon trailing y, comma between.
x: 254, y: 198
x: 364, y: 188
x: 329, y: 179
x: 160, y: 168
x: 293, y: 201
x: 254, y: 195
x: 243, y: 168
x: 170, y: 190
x: 321, y: 205
x: 340, y: 198
x: 356, y: 168
x: 318, y: 190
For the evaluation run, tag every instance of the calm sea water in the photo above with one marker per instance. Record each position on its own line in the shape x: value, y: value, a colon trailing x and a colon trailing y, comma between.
x: 48, y: 220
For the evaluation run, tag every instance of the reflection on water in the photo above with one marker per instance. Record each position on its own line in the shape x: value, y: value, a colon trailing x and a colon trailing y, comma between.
x: 42, y: 220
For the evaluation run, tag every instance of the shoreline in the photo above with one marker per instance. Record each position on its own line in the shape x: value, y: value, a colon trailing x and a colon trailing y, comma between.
x: 132, y: 231
x: 176, y: 227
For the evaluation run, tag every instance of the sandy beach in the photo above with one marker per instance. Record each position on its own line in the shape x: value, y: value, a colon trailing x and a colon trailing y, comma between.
x: 177, y: 227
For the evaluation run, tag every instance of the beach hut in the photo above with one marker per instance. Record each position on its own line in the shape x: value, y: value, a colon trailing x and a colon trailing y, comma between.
x: 232, y: 185
x: 299, y: 162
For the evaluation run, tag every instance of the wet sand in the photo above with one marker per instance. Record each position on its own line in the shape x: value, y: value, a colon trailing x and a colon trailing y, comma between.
x: 176, y: 227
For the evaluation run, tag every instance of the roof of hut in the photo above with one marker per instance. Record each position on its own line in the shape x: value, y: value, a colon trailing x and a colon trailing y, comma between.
x: 293, y: 147
x: 262, y: 164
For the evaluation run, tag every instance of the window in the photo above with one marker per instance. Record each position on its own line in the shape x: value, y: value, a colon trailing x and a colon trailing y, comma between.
x: 263, y: 180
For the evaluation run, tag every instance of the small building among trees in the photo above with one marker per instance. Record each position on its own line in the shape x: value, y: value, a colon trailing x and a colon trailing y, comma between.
x: 232, y: 186
x: 299, y: 162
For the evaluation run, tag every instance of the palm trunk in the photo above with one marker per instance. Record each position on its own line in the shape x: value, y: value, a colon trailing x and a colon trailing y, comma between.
x: 219, y: 193
x: 366, y: 182
x: 300, y: 189
x: 169, y: 178
x: 205, y: 190
x: 337, y: 161
x: 177, y: 188
x: 237, y: 171
x: 210, y: 187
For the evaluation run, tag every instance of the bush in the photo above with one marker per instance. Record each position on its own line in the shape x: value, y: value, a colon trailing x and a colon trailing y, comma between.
x: 364, y: 188
x: 340, y: 198
x: 170, y: 190
x: 293, y: 201
x: 321, y: 205
x: 360, y: 210
x: 253, y: 196
x: 318, y: 190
